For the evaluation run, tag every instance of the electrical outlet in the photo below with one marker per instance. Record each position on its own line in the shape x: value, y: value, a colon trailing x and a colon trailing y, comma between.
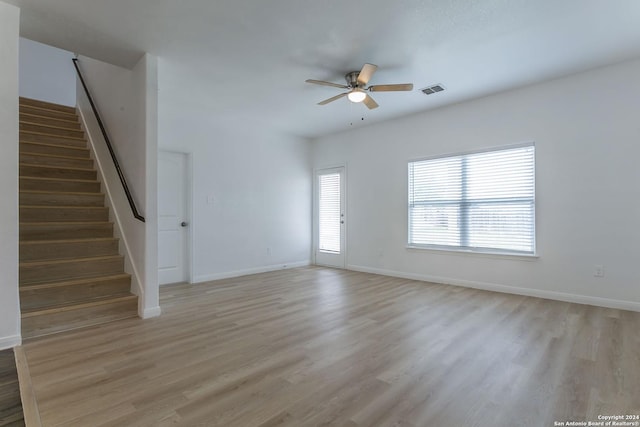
x: 598, y: 270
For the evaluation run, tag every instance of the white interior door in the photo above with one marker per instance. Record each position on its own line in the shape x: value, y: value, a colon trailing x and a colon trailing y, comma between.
x: 173, y: 221
x: 330, y: 218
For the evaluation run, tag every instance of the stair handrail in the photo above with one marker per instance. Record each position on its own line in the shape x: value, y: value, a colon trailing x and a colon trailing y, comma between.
x: 123, y: 180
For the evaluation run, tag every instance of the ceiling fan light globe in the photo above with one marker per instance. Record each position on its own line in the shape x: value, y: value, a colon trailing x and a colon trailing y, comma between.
x: 356, y: 96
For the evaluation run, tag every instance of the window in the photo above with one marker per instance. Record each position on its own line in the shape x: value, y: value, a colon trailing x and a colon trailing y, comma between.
x: 482, y: 202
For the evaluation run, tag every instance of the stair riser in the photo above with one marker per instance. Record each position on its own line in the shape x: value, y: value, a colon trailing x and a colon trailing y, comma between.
x: 51, y: 121
x: 26, y: 147
x: 35, y: 199
x: 51, y: 130
x: 52, y: 172
x: 63, y: 231
x: 48, y: 139
x: 52, y: 214
x: 37, y: 159
x: 49, y: 272
x: 42, y: 298
x: 63, y: 186
x: 66, y: 250
x: 47, y: 105
x: 53, y: 323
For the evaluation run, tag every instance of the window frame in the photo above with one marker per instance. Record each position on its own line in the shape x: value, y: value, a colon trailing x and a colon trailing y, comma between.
x: 467, y: 249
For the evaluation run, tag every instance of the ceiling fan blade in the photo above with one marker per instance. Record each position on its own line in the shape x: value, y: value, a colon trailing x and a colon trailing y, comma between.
x: 391, y: 88
x: 334, y: 98
x: 370, y: 103
x: 366, y: 73
x: 323, y: 83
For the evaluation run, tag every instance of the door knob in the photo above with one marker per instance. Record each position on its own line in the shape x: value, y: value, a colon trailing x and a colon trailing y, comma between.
x: 183, y: 224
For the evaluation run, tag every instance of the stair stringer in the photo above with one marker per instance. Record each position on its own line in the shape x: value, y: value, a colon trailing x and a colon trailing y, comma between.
x: 100, y: 154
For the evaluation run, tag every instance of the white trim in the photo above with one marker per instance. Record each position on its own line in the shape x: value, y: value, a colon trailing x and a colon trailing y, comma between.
x: 315, y: 213
x: 461, y: 200
x: 248, y: 271
x: 192, y: 208
x: 10, y: 342
x: 477, y: 151
x: 148, y: 313
x: 537, y: 293
x: 188, y: 214
x: 485, y: 254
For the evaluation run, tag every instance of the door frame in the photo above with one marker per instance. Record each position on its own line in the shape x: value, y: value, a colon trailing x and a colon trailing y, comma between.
x: 189, y: 209
x: 316, y: 207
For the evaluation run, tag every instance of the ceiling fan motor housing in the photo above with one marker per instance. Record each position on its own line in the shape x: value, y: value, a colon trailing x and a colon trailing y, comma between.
x: 352, y: 80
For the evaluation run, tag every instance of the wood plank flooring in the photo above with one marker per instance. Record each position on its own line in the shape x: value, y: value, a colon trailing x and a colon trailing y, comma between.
x: 323, y: 347
x: 10, y: 403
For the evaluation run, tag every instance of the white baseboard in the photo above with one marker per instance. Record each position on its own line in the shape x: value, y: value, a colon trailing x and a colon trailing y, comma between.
x: 538, y: 293
x: 148, y: 313
x: 256, y: 270
x: 10, y: 342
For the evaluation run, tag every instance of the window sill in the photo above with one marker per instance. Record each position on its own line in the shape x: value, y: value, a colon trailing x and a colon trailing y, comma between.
x: 462, y: 252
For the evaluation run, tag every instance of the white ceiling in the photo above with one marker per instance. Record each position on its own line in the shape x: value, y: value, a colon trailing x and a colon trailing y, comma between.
x: 248, y: 60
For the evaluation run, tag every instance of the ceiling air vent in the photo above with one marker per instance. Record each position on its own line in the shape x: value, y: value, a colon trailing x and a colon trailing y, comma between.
x: 432, y: 89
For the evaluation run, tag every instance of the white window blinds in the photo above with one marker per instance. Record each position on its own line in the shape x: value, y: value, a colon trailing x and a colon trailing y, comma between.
x: 329, y: 213
x: 479, y: 202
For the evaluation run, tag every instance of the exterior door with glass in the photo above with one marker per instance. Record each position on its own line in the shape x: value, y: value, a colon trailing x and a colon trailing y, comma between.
x: 330, y: 219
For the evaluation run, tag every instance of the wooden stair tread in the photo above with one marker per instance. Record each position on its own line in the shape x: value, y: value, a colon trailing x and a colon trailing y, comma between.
x: 44, y: 178
x: 75, y: 240
x: 75, y: 138
x: 31, y: 102
x: 62, y: 283
x: 71, y: 193
x: 60, y: 207
x: 47, y: 112
x: 79, y: 249
x: 37, y: 117
x: 69, y: 261
x: 55, y: 156
x: 35, y: 331
x: 47, y: 144
x: 44, y: 125
x: 55, y: 167
x: 69, y: 223
x: 75, y: 306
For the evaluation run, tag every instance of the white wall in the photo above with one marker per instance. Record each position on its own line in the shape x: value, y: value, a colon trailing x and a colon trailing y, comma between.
x: 260, y: 184
x: 9, y: 303
x: 587, y: 136
x: 127, y: 103
x: 47, y: 73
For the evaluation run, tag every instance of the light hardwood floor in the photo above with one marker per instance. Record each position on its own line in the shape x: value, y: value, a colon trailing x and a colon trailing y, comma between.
x: 324, y: 347
x: 10, y: 403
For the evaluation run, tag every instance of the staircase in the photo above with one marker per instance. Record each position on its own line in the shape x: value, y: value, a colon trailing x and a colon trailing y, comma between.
x: 71, y: 274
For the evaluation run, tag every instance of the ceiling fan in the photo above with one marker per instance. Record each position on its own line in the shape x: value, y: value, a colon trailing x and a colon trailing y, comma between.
x: 357, y: 85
